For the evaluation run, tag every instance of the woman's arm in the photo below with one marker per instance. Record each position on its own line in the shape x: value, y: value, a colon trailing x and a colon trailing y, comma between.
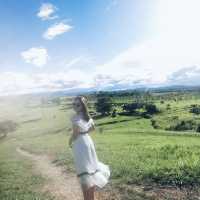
x: 92, y: 126
x: 75, y: 133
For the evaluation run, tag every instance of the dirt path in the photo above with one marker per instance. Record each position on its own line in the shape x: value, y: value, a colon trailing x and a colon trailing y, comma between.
x: 60, y: 185
x: 63, y: 186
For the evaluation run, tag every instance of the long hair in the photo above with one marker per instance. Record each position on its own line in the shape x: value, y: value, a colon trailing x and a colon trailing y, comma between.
x: 84, y: 106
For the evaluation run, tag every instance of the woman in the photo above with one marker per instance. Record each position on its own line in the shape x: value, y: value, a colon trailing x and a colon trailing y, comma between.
x: 90, y: 171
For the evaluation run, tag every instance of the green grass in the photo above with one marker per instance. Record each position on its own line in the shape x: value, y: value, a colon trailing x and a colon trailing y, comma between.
x: 179, y: 110
x: 16, y: 181
x: 135, y: 152
x: 141, y: 157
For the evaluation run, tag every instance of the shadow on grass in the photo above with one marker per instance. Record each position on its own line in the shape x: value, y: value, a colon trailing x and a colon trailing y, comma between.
x: 113, y: 122
x: 116, y: 121
x: 31, y: 120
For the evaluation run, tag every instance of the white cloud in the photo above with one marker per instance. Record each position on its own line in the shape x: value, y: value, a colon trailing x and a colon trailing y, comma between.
x: 170, y: 55
x: 56, y: 29
x: 46, y: 11
x: 185, y: 76
x: 174, y: 44
x: 37, y: 56
x: 22, y: 83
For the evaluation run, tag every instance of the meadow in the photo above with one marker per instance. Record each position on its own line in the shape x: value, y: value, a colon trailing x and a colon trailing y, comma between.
x: 146, y: 162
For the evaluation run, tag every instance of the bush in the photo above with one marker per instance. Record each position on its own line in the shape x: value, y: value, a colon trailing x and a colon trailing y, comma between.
x: 132, y: 107
x: 154, y: 124
x: 195, y: 109
x: 114, y: 113
x: 146, y: 115
x: 175, y: 117
x: 198, y: 128
x: 168, y: 107
x: 183, y: 125
x: 151, y: 109
x: 147, y: 109
x: 6, y: 127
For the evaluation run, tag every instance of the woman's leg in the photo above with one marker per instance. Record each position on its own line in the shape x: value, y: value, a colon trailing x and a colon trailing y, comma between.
x: 88, y: 193
x: 91, y: 193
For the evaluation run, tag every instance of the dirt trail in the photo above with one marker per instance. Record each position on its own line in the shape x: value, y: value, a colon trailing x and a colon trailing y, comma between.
x: 60, y: 185
x: 63, y: 186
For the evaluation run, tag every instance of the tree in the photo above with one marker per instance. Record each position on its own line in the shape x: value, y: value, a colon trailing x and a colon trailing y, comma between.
x: 132, y: 107
x: 151, y: 109
x: 198, y: 128
x: 195, y: 109
x: 104, y: 105
x: 114, y: 113
x: 183, y: 125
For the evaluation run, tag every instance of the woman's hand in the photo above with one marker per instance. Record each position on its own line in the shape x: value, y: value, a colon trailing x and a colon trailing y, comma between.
x: 92, y: 128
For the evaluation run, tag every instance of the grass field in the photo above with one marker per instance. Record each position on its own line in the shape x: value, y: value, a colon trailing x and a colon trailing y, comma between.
x: 137, y: 153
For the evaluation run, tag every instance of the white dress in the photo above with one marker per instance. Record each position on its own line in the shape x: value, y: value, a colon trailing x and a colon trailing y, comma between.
x: 90, y: 170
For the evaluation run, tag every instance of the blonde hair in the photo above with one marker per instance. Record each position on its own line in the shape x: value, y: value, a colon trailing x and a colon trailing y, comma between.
x: 84, y: 106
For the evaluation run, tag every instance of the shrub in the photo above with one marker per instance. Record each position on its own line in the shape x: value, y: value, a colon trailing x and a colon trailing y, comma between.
x: 114, y: 113
x: 154, y: 124
x: 195, y: 109
x: 6, y: 127
x: 198, y: 128
x: 132, y: 107
x: 175, y: 117
x: 183, y: 125
x: 151, y: 109
x: 146, y: 115
x: 168, y: 107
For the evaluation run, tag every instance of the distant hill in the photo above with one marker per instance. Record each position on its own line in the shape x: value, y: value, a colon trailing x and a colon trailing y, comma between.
x: 141, y: 88
x: 78, y: 91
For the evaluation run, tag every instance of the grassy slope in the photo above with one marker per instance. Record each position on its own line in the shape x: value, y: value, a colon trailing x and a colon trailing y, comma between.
x: 135, y: 151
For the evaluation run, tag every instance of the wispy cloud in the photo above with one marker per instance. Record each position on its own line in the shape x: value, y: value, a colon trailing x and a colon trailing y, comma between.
x: 56, y: 29
x: 83, y: 61
x: 73, y: 62
x: 46, y: 11
x: 37, y: 56
x: 185, y: 76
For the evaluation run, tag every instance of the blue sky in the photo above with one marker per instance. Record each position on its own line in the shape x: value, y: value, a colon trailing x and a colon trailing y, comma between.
x: 97, y: 29
x: 64, y: 44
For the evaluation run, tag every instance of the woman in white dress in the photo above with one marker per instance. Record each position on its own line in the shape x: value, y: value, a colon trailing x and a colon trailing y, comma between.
x: 91, y: 172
